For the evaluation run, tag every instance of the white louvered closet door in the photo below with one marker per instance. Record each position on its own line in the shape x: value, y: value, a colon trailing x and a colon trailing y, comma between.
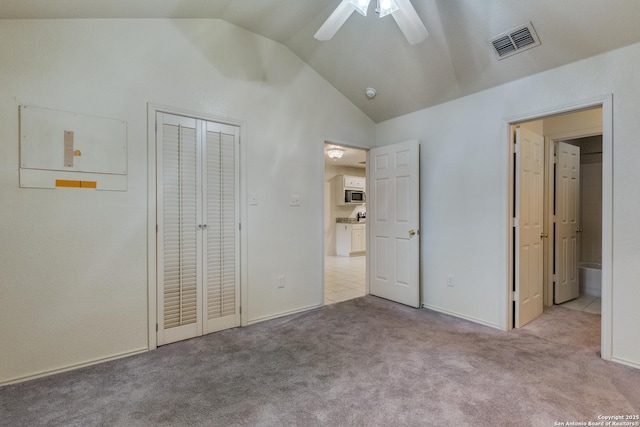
x: 221, y: 274
x: 197, y: 216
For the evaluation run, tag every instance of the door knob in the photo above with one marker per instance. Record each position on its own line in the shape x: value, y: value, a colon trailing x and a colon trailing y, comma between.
x: 579, y: 230
x: 412, y: 233
x: 543, y: 235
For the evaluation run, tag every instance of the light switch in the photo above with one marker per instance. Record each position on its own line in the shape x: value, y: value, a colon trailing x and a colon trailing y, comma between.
x: 253, y: 199
x: 295, y: 200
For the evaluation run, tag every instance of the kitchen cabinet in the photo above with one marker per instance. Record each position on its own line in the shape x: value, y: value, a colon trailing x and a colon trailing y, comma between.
x: 351, y: 239
x: 354, y: 182
x: 358, y: 238
x: 348, y: 183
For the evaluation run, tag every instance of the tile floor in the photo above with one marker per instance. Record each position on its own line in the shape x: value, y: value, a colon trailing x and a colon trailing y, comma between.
x: 584, y: 302
x: 344, y: 278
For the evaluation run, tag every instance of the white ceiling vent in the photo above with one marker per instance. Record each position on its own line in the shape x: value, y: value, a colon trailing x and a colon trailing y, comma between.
x: 515, y: 41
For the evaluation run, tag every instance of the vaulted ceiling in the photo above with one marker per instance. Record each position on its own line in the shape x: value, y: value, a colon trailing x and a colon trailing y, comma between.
x: 455, y: 60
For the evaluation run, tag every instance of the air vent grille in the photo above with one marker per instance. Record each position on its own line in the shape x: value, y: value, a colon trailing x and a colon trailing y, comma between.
x: 514, y: 41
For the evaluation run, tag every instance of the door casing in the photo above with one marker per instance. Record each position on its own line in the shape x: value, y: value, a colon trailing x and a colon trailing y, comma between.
x: 322, y: 146
x: 152, y: 110
x: 606, y: 103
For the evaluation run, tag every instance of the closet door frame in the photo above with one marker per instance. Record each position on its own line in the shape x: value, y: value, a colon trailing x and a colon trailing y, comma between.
x: 152, y: 226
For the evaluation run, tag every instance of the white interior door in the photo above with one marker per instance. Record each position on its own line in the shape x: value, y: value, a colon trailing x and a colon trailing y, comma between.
x: 197, y: 216
x: 394, y: 199
x: 567, y: 222
x: 529, y: 226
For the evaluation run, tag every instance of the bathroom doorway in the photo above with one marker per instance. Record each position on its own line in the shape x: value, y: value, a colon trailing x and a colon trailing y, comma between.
x: 534, y: 256
x: 345, y: 229
x: 589, y: 241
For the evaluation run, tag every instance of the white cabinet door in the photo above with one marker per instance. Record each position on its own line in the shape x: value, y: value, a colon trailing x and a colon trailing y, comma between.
x: 358, y: 182
x: 354, y: 182
x: 358, y: 239
x: 343, y: 239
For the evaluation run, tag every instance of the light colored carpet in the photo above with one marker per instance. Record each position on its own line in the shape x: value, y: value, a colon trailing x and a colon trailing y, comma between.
x: 364, y: 362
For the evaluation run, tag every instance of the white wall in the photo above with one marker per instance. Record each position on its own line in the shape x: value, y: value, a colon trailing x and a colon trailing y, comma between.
x: 73, y: 263
x: 464, y: 187
x: 331, y: 208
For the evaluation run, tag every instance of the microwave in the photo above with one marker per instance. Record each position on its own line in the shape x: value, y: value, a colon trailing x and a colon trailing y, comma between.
x: 354, y: 196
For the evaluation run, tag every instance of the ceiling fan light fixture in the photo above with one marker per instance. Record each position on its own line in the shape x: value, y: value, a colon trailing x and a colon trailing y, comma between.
x: 386, y: 7
x: 361, y: 6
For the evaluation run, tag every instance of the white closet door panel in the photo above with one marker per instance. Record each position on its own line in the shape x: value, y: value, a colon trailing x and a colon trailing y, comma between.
x: 222, y: 273
x: 178, y: 238
x: 198, y: 219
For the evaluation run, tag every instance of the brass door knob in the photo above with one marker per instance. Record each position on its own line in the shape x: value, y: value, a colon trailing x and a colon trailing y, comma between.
x: 543, y: 235
x: 412, y: 233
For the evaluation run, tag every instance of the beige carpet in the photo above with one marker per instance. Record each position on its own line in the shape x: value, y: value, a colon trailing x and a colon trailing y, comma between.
x: 364, y: 362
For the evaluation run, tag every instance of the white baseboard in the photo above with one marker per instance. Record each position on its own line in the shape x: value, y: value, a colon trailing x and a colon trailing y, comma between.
x: 41, y: 374
x: 462, y: 316
x: 626, y: 362
x: 286, y: 313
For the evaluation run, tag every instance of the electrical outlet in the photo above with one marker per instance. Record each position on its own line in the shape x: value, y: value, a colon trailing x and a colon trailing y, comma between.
x: 253, y: 199
x: 280, y: 282
x: 450, y: 281
x: 295, y: 200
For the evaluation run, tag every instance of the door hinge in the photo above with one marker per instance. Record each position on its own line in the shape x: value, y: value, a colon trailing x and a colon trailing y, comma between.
x: 516, y: 297
x: 156, y: 126
x: 156, y: 327
x: 240, y: 309
x: 517, y: 147
x: 239, y: 226
x: 156, y: 228
x: 516, y: 222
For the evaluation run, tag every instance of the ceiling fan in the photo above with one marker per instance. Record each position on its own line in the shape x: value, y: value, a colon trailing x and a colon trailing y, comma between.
x: 402, y: 11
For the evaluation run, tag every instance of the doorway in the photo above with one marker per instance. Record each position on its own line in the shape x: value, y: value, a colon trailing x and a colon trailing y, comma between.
x: 345, y: 223
x: 194, y: 216
x: 587, y: 291
x: 539, y: 274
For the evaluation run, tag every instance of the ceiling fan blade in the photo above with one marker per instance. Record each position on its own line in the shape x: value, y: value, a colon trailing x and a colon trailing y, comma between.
x: 335, y: 21
x: 409, y: 22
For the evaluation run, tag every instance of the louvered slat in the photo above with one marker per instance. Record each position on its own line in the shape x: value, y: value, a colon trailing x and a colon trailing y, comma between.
x: 179, y: 218
x: 199, y: 186
x: 221, y: 220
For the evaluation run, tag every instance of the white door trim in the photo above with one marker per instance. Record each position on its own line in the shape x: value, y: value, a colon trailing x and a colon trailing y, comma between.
x: 321, y: 148
x: 606, y: 102
x: 152, y: 110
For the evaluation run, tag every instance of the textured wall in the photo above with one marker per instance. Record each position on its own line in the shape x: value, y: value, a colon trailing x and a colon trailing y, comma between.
x: 73, y: 263
x: 464, y: 188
